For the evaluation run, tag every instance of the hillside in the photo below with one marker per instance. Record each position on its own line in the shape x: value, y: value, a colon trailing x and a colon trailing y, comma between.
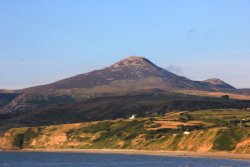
x: 6, y: 97
x: 218, y: 83
x: 111, y: 107
x: 132, y: 85
x: 209, y: 130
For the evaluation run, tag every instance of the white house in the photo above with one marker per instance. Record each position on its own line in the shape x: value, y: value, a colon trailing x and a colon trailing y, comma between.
x: 186, y: 133
x: 132, y: 117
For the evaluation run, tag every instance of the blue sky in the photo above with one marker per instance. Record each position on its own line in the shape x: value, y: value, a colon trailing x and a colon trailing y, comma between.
x: 46, y: 40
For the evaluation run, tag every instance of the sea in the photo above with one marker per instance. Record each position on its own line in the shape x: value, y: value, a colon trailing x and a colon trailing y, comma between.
x: 44, y: 159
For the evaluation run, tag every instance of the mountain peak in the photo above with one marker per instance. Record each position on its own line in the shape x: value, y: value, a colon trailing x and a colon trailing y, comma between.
x: 134, y: 61
x: 218, y: 82
x: 214, y: 81
x: 134, y: 58
x: 128, y: 74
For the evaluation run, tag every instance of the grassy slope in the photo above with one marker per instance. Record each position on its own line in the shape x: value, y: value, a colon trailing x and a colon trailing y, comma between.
x: 211, y: 130
x: 63, y: 109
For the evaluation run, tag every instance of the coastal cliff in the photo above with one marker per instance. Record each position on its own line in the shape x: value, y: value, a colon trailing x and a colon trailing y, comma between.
x: 182, y: 131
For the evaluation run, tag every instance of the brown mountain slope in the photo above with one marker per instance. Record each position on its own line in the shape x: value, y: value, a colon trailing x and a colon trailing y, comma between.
x: 218, y: 83
x: 128, y: 75
x: 130, y: 69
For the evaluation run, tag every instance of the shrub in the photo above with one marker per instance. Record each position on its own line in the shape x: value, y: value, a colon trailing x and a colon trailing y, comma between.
x: 22, y: 140
x: 227, y: 139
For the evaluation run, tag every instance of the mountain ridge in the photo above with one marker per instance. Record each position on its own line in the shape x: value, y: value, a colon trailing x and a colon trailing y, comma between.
x: 131, y: 68
x: 127, y: 75
x: 219, y: 83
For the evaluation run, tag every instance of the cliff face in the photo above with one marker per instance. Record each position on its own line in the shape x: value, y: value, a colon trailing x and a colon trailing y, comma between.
x: 243, y: 146
x: 174, y: 132
x: 6, y: 141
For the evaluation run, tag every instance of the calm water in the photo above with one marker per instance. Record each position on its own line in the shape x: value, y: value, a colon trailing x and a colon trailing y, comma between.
x: 13, y: 159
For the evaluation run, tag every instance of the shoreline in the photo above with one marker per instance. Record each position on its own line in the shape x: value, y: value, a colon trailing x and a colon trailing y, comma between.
x: 216, y: 155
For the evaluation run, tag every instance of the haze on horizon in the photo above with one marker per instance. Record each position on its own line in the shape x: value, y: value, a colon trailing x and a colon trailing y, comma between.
x: 45, y: 41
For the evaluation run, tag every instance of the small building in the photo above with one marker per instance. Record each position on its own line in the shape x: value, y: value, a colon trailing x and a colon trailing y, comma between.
x: 132, y: 117
x: 186, y: 133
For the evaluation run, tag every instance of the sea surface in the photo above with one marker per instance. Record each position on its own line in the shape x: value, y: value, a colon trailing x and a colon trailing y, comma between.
x: 37, y: 159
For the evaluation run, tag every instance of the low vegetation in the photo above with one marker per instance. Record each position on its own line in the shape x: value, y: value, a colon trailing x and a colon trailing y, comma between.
x: 203, y: 130
x: 73, y: 106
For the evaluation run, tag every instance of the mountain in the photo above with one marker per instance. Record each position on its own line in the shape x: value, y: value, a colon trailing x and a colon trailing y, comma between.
x: 245, y: 91
x: 218, y: 83
x: 130, y: 73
